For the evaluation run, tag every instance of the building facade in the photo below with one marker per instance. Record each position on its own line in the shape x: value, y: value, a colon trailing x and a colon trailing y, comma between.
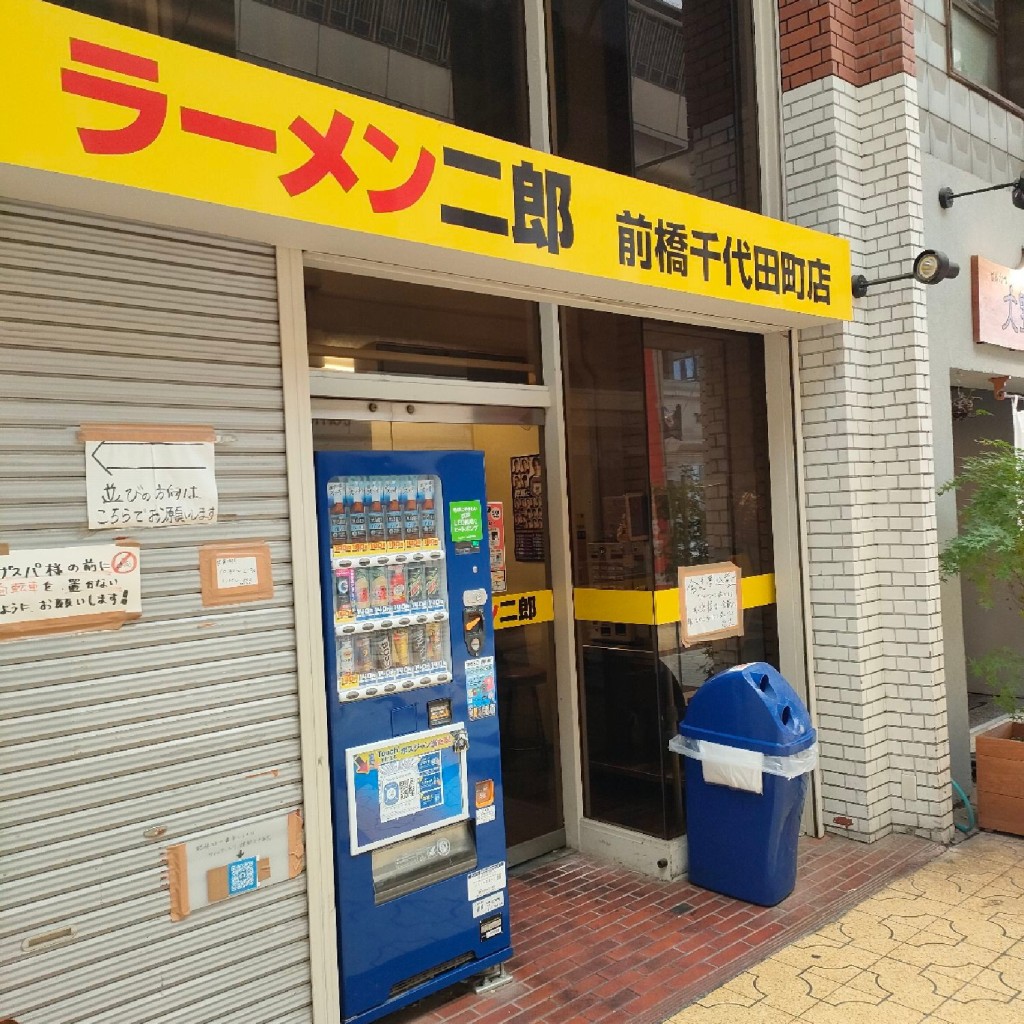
x: 606, y: 244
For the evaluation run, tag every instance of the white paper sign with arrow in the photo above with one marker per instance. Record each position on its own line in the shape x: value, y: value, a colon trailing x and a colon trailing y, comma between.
x: 137, y: 482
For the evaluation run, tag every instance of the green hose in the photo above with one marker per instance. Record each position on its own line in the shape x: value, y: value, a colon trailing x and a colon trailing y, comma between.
x: 970, y: 826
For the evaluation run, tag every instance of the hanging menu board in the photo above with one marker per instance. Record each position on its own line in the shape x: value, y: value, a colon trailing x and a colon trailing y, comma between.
x: 710, y: 602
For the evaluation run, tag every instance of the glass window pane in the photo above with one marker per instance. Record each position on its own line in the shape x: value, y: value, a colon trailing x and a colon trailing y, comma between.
x: 708, y: 454
x: 658, y: 89
x: 457, y: 60
x: 366, y: 325
x: 668, y: 466
x: 975, y: 53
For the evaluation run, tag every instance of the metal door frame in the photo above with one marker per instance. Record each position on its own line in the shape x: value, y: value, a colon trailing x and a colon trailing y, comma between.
x: 401, y: 411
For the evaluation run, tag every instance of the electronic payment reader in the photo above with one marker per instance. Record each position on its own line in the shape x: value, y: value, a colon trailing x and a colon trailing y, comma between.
x: 419, y: 834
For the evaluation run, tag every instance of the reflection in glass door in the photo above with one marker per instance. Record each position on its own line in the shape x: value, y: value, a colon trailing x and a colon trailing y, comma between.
x: 668, y: 467
x: 518, y: 537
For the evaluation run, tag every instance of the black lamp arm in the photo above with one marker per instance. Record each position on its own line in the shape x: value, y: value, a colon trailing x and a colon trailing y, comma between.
x: 947, y: 195
x: 861, y: 283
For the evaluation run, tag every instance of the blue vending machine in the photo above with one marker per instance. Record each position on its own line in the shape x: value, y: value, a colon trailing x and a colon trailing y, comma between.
x: 419, y: 834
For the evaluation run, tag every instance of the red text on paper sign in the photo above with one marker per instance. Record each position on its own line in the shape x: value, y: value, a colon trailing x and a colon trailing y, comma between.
x: 540, y: 198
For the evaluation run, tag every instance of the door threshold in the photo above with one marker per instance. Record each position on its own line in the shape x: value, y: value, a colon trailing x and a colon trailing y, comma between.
x: 536, y: 847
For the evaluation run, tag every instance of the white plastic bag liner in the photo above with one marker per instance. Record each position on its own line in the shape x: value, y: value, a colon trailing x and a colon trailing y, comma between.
x: 732, y: 767
x: 790, y: 766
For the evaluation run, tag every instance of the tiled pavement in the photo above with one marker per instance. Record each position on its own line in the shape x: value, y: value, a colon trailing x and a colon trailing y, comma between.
x: 944, y: 945
x: 598, y: 943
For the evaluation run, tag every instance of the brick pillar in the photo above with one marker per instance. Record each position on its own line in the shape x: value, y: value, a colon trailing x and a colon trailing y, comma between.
x: 853, y: 168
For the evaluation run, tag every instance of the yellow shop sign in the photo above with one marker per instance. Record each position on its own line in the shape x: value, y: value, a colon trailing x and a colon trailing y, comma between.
x: 84, y: 97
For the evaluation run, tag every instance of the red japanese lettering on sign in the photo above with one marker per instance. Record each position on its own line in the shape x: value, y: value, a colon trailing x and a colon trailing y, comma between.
x: 326, y: 150
x: 150, y: 106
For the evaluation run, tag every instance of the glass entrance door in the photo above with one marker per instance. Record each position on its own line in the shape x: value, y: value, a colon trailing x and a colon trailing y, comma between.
x: 512, y: 441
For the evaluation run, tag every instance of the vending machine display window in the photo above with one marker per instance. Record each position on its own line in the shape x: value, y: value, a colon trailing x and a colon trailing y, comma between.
x: 390, y: 588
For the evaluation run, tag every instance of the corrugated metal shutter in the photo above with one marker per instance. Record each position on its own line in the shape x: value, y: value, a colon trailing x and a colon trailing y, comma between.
x: 186, y: 719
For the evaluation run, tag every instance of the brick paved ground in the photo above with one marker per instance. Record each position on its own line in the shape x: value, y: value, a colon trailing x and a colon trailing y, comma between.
x: 598, y: 943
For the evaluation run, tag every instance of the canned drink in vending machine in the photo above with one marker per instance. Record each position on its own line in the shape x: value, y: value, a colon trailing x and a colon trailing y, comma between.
x: 363, y: 658
x: 355, y: 503
x: 428, y: 514
x: 344, y: 599
x: 398, y: 590
x: 418, y: 645
x: 382, y: 659
x: 432, y: 596
x: 410, y: 514
x: 415, y: 587
x: 400, y: 646
x: 361, y: 591
x: 434, y: 642
x: 393, y: 516
x: 346, y: 662
x: 380, y: 600
x: 376, y: 526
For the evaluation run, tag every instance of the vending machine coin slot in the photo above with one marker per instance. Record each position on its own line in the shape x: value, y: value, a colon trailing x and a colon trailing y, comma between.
x: 473, y: 629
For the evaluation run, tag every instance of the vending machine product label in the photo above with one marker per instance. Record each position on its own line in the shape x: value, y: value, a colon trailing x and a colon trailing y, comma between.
x: 493, y: 902
x: 481, y: 694
x: 485, y: 815
x: 485, y: 881
x: 496, y: 545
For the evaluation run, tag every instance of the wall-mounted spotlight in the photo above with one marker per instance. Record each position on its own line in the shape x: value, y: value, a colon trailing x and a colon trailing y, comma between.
x: 930, y: 267
x: 947, y: 195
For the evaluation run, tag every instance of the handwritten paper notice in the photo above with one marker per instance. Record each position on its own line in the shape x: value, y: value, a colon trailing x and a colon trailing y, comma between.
x: 235, y: 572
x: 710, y: 603
x: 139, y: 476
x: 66, y: 590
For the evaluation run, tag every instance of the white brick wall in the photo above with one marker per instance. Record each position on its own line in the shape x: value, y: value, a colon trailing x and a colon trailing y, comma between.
x: 852, y: 167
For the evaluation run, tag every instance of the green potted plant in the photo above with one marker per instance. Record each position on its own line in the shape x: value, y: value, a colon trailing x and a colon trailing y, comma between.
x: 989, y: 551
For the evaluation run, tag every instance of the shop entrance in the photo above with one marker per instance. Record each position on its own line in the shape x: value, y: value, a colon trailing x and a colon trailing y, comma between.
x: 512, y: 441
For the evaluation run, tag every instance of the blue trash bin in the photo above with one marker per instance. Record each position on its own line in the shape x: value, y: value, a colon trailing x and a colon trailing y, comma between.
x: 749, y: 745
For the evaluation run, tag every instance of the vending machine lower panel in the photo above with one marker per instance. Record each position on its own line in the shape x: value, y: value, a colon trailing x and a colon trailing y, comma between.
x: 419, y: 839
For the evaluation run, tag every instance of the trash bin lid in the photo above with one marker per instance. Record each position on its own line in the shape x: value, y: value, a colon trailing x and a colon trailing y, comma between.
x: 751, y: 707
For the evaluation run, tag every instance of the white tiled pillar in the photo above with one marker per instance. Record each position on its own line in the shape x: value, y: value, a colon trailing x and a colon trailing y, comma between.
x: 852, y: 167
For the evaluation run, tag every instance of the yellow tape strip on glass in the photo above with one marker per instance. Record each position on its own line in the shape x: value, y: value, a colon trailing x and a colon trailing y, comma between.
x: 511, y: 610
x: 657, y: 607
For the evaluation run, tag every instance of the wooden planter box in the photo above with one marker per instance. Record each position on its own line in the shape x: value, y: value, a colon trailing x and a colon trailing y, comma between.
x: 1000, y: 763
